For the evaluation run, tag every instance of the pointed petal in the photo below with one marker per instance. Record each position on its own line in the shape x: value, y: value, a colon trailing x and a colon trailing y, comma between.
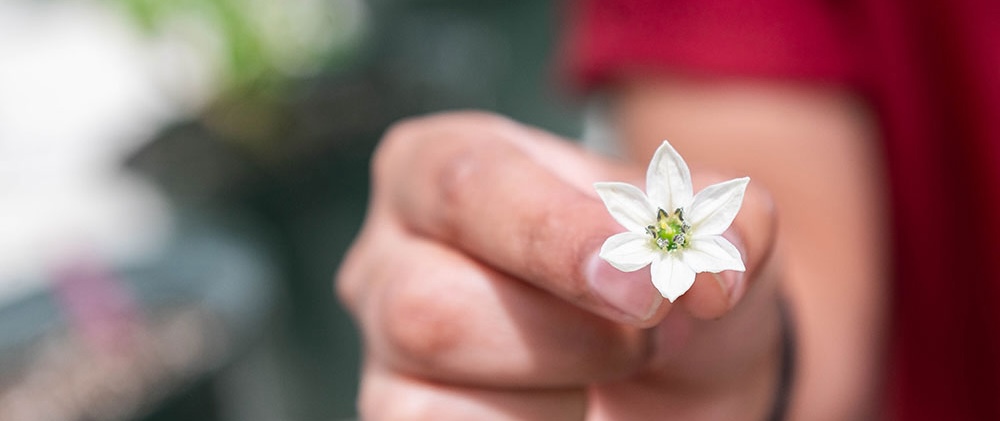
x: 668, y: 179
x: 628, y: 251
x: 671, y: 276
x: 715, y: 207
x: 627, y: 204
x: 712, y: 254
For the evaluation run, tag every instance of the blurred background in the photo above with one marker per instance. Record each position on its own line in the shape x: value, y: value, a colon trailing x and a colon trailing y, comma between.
x: 179, y: 180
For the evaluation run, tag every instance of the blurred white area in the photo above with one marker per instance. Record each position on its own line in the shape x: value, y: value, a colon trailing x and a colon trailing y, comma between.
x: 79, y: 90
x: 81, y: 87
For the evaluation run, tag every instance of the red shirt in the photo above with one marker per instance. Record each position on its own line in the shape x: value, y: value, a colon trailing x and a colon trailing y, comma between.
x: 931, y: 70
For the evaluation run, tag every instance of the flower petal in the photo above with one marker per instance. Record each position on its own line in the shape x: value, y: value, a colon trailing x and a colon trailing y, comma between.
x: 627, y: 204
x: 712, y: 254
x: 671, y: 276
x: 715, y: 207
x: 628, y: 251
x: 668, y: 179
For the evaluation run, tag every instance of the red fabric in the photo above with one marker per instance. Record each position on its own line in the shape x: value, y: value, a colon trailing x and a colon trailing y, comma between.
x: 931, y: 69
x: 785, y: 38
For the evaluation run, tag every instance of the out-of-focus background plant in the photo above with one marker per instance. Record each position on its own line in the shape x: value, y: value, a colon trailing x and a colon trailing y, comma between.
x: 258, y: 44
x: 179, y: 180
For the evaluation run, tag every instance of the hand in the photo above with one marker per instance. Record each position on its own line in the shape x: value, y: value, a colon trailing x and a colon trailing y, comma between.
x: 478, y: 290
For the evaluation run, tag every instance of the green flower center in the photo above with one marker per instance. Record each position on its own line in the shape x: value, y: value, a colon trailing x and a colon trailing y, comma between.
x: 670, y: 231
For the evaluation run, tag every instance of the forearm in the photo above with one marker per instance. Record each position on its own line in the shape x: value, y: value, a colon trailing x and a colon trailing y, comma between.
x: 815, y: 151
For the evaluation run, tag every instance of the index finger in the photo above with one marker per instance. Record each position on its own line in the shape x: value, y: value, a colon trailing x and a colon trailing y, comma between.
x: 471, y: 182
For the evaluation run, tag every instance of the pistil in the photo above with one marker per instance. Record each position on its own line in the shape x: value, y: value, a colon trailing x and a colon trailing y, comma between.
x: 670, y: 231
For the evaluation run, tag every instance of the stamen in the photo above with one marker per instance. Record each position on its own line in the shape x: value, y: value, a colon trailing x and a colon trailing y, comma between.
x: 670, y: 231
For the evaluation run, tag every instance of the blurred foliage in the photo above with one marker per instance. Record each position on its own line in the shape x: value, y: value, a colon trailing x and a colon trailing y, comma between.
x: 260, y: 44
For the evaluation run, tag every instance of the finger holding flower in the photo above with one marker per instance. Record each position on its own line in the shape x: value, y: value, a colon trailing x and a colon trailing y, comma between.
x: 493, y: 312
x: 676, y: 233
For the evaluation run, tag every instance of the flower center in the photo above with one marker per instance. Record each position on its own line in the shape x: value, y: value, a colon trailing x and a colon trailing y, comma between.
x: 670, y: 231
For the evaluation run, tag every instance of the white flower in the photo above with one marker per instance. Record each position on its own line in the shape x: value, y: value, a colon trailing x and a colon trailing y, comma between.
x: 678, y: 234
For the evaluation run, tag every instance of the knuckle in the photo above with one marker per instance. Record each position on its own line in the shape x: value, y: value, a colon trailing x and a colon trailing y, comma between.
x: 456, y: 175
x: 421, y: 327
x: 438, y: 156
x: 395, y: 143
x: 407, y: 137
x: 459, y: 193
x: 357, y: 271
x: 348, y: 278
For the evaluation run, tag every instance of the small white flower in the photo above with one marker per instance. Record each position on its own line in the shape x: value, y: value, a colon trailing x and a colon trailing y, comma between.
x: 678, y: 234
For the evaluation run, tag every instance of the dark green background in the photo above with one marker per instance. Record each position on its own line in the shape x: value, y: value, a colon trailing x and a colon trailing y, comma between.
x: 293, y: 163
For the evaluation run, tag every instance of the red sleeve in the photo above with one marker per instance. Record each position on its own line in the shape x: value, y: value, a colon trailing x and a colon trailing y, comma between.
x: 929, y: 71
x: 764, y: 38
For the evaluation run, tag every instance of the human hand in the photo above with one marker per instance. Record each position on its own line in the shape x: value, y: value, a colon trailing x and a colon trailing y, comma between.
x: 478, y: 290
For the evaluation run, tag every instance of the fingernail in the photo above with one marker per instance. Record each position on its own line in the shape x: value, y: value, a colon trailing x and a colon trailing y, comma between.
x: 631, y: 293
x: 733, y: 281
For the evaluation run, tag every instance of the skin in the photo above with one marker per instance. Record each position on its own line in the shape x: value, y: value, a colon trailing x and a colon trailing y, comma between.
x: 816, y: 150
x: 476, y: 289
